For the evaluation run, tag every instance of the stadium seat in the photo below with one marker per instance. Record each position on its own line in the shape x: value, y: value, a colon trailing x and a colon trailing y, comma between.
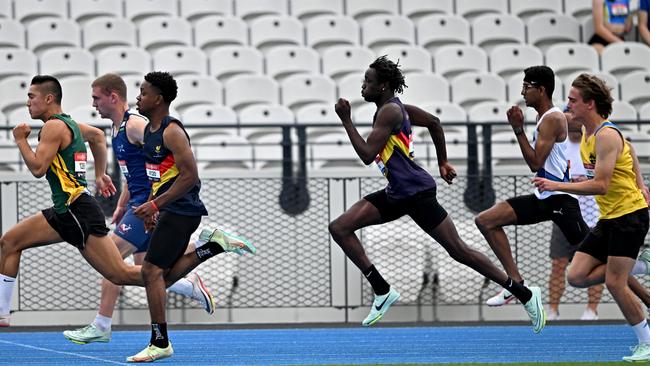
x: 223, y: 152
x: 333, y: 150
x: 470, y: 9
x: 411, y: 58
x: 624, y: 111
x: 509, y: 59
x: 5, y: 9
x: 587, y: 28
x: 139, y: 10
x: 305, y: 10
x: 160, y: 31
x: 331, y: 30
x: 610, y: 80
x: 228, y: 61
x: 283, y: 61
x: 244, y: 90
x: 635, y: 88
x: 272, y: 114
x: 249, y: 10
x: 81, y: 11
x: 209, y: 114
x: 193, y: 90
x: 361, y: 10
x: 47, y: 33
x: 181, y: 60
x: 77, y: 91
x: 515, y: 83
x: 12, y: 33
x: 548, y: 29
x: 318, y: 113
x: 62, y: 62
x: 14, y: 93
x: 364, y: 113
x: 567, y: 58
x: 300, y: 90
x: 490, y: 111
x: 424, y: 88
x: 123, y: 61
x: 198, y: 9
x: 524, y: 9
x: 17, y: 62
x: 491, y: 30
x: 435, y: 31
x: 471, y: 88
x: 580, y: 9
x: 623, y: 57
x: 271, y: 30
x: 641, y: 143
x: 446, y: 112
x: 379, y: 31
x: 26, y: 11
x: 644, y: 115
x: 339, y: 61
x: 349, y: 87
x: 417, y: 9
x: 89, y: 115
x: 505, y: 148
x: 456, y: 59
x: 216, y: 31
x: 133, y: 83
x: 101, y: 33
x: 21, y: 115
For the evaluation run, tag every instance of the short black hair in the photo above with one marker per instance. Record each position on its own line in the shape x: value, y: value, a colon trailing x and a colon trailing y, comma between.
x: 164, y: 82
x: 51, y: 85
x: 388, y: 71
x: 541, y: 76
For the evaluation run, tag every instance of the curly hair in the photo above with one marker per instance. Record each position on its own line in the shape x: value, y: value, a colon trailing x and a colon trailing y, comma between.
x: 49, y: 85
x: 164, y: 82
x: 388, y: 71
x: 593, y: 88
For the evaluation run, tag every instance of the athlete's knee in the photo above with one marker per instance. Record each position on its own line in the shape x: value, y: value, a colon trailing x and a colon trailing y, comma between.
x: 7, y: 245
x: 150, y: 273
x: 576, y: 279
x: 482, y: 221
x: 615, y: 284
x: 337, y: 228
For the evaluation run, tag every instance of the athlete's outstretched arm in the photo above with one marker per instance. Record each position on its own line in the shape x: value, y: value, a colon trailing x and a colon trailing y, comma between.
x: 554, y: 124
x: 97, y: 141
x: 38, y: 162
x: 422, y: 118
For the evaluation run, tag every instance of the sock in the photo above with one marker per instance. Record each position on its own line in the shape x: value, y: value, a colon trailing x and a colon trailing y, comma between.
x: 103, y: 323
x: 182, y: 287
x: 204, y: 251
x: 159, y: 335
x: 642, y: 332
x: 6, y: 289
x: 520, y: 291
x: 640, y: 267
x: 379, y: 285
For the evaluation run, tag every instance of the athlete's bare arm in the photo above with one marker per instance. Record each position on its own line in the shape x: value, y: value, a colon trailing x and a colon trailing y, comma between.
x: 422, y: 118
x: 388, y: 116
x: 51, y: 140
x: 637, y: 172
x: 552, y: 130
x: 135, y: 130
x: 97, y: 141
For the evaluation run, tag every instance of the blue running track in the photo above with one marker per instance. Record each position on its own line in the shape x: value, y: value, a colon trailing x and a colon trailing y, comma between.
x: 321, y: 346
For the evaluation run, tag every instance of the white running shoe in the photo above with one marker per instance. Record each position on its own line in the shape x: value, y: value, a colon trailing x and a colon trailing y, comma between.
x: 535, y: 309
x: 4, y: 320
x: 152, y: 353
x: 229, y: 242
x: 589, y: 314
x: 502, y: 298
x: 552, y: 314
x: 380, y: 307
x: 88, y: 334
x: 201, y: 293
x: 640, y: 353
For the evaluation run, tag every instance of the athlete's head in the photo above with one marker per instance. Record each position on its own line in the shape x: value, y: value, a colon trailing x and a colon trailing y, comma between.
x: 590, y: 94
x: 539, y: 82
x: 159, y: 88
x: 44, y: 92
x: 108, y: 92
x: 383, y: 77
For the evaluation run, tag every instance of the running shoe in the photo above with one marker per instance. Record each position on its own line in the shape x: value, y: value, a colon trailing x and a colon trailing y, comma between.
x: 535, y: 309
x: 229, y: 242
x: 502, y: 298
x: 88, y: 334
x: 640, y: 353
x: 380, y: 306
x: 4, y: 320
x: 589, y: 314
x: 552, y: 315
x: 201, y: 293
x: 152, y: 353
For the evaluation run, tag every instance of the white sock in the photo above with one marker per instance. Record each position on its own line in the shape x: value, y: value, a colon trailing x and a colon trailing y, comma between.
x: 6, y: 289
x: 642, y: 332
x: 103, y: 323
x: 182, y: 287
x: 640, y: 267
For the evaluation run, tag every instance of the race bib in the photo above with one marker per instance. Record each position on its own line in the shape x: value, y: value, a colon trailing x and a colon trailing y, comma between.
x: 123, y: 168
x: 153, y: 172
x: 80, y: 159
x: 380, y: 165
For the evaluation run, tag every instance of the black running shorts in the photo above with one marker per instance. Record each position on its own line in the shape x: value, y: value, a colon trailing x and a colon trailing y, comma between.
x: 562, y: 209
x: 618, y: 237
x: 422, y: 207
x: 170, y: 238
x: 83, y: 218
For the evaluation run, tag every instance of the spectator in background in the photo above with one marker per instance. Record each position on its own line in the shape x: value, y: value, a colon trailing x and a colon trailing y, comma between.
x: 612, y: 21
x: 644, y: 23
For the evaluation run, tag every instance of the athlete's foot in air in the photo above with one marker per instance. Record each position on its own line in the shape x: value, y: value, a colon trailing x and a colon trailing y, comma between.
x: 502, y: 298
x: 380, y: 306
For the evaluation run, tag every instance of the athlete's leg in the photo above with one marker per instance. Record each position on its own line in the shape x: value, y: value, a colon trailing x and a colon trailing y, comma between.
x: 616, y: 280
x: 586, y: 271
x: 110, y: 291
x: 102, y: 254
x: 491, y: 222
x: 556, y: 282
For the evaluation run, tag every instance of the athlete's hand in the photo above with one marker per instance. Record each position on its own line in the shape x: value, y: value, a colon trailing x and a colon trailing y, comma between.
x: 543, y: 184
x: 145, y: 210
x: 342, y: 108
x: 150, y: 222
x: 515, y: 117
x: 447, y: 172
x: 646, y: 194
x: 105, y: 186
x: 21, y: 131
x: 118, y: 214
